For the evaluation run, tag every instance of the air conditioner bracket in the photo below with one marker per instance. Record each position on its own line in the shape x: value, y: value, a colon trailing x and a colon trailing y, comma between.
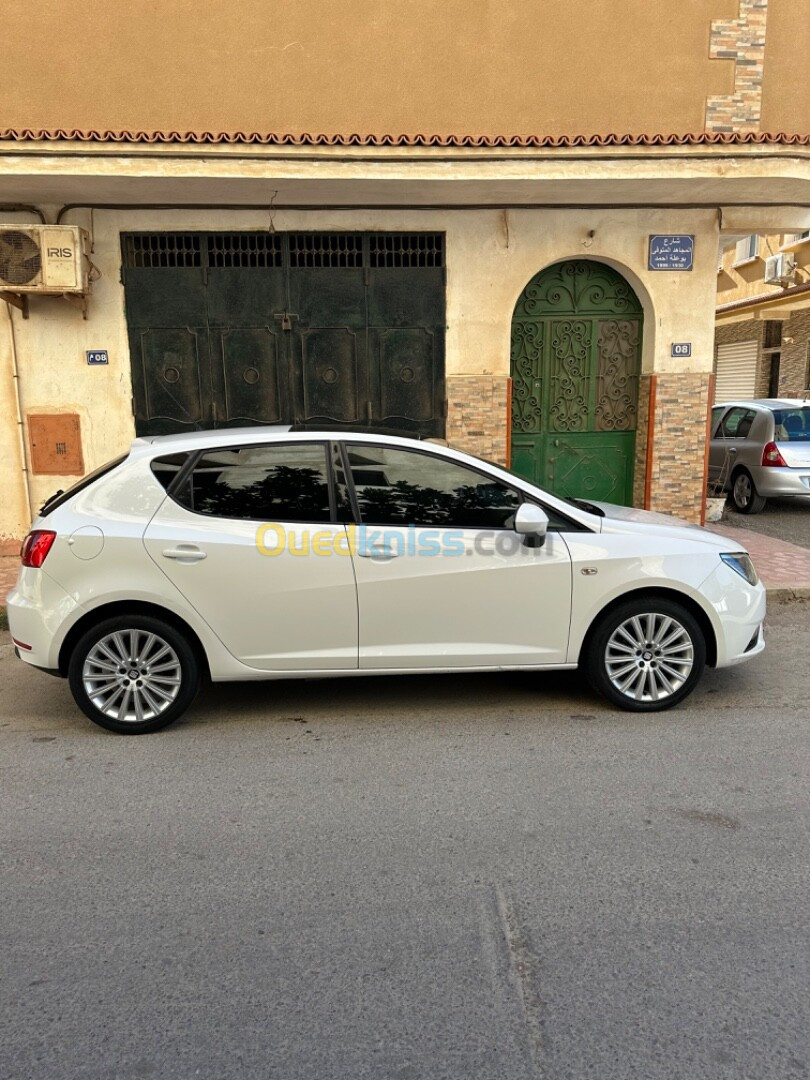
x: 17, y: 300
x: 78, y: 300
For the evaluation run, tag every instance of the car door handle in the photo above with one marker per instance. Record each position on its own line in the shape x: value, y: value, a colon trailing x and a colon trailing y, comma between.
x: 184, y: 554
x: 379, y: 554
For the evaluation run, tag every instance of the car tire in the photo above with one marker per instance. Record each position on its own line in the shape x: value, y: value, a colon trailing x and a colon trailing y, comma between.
x: 744, y: 497
x: 645, y: 655
x: 133, y: 674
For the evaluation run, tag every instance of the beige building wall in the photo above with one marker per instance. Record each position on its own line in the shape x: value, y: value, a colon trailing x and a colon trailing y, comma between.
x: 414, y: 66
x: 491, y: 255
x: 741, y: 280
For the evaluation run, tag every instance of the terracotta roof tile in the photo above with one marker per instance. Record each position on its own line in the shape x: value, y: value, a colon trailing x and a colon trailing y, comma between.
x: 355, y: 139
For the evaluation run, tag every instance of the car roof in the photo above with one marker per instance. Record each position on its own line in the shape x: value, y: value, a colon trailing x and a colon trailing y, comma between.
x: 151, y: 445
x: 765, y: 403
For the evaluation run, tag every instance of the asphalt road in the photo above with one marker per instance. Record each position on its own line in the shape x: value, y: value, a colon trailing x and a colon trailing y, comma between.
x: 784, y: 519
x: 477, y: 879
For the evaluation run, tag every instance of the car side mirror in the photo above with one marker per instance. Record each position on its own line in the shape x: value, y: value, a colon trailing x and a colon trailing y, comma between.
x: 531, y: 521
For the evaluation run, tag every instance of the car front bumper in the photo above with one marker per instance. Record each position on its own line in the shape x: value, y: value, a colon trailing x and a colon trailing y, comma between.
x: 739, y: 610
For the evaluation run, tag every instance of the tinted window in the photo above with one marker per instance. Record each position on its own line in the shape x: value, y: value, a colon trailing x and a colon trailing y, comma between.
x: 288, y: 482
x: 167, y: 468
x: 737, y: 423
x: 403, y: 487
x: 716, y: 415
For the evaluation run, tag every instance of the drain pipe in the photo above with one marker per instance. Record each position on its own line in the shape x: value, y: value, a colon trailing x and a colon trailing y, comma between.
x: 15, y: 375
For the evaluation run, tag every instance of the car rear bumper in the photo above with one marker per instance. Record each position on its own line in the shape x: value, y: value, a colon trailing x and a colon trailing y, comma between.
x: 39, y: 611
x: 782, y: 482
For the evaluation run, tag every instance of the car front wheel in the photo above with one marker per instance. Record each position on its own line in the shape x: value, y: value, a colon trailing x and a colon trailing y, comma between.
x: 133, y: 674
x: 744, y: 494
x: 646, y: 655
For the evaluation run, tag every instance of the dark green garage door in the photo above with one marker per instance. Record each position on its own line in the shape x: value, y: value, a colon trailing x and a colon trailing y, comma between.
x: 274, y: 328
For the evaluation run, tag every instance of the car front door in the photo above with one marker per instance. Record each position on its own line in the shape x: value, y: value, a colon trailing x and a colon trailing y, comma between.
x: 443, y: 581
x: 251, y: 541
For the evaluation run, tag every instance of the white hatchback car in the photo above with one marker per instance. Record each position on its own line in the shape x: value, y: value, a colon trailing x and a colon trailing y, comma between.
x: 268, y: 553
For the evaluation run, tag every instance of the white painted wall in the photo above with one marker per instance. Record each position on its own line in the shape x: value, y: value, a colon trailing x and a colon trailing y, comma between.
x: 491, y: 255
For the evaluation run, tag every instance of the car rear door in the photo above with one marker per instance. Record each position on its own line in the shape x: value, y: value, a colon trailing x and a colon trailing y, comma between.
x: 251, y: 542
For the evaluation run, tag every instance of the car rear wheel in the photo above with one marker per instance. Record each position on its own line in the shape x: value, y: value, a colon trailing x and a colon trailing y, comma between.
x: 133, y: 674
x: 744, y: 495
x: 646, y: 655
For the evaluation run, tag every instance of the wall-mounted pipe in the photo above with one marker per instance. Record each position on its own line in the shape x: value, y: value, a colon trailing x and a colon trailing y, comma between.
x: 25, y: 464
x: 329, y: 208
x: 22, y: 208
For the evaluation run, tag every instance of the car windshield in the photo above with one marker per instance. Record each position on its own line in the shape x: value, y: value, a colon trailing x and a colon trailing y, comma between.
x: 792, y: 425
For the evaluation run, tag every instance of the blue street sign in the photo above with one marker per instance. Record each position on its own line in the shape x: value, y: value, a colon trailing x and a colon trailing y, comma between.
x: 97, y: 356
x: 681, y: 348
x: 671, y: 252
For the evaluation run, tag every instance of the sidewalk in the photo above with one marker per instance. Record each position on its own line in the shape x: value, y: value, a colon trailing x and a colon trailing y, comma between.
x: 784, y: 568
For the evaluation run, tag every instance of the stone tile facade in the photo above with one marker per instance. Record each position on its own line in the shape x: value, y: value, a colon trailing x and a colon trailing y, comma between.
x: 794, y: 370
x: 743, y: 41
x: 677, y: 471
x: 478, y: 419
x: 642, y: 437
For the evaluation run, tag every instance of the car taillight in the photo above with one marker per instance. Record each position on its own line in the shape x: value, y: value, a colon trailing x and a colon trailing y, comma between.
x: 771, y: 455
x: 36, y: 547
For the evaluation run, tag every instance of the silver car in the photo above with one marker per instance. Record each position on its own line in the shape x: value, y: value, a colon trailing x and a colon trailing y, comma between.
x: 760, y: 449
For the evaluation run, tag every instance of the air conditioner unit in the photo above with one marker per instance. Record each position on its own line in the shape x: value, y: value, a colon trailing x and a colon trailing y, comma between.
x: 44, y: 259
x: 780, y: 269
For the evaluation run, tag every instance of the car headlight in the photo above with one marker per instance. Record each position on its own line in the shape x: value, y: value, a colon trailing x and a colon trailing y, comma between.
x: 741, y: 562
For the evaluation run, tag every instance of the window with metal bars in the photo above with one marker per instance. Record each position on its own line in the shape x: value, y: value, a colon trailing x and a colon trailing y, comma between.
x: 263, y: 249
x: 336, y: 250
x: 251, y: 250
x: 150, y: 251
x: 406, y: 249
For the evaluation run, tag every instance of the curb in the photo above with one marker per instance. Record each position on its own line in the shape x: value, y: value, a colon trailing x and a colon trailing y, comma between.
x: 781, y: 594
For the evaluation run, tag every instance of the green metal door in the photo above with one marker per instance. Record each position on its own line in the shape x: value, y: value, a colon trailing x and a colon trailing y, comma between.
x: 576, y: 358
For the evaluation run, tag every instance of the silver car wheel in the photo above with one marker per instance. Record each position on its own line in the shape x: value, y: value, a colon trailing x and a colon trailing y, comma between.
x: 743, y: 490
x: 132, y: 675
x: 649, y: 657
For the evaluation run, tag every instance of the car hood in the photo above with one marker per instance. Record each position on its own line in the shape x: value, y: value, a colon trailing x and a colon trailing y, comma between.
x: 630, y: 519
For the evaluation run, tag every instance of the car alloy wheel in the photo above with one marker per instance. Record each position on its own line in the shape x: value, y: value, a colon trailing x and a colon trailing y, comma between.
x: 133, y: 675
x: 646, y: 655
x: 744, y: 494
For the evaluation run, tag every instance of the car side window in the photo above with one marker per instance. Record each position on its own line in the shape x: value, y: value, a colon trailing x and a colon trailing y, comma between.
x: 717, y: 415
x: 406, y: 487
x: 736, y: 423
x: 166, y: 468
x: 280, y: 482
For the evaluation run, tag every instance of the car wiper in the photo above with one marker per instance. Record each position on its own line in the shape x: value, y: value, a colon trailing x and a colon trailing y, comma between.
x: 583, y: 504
